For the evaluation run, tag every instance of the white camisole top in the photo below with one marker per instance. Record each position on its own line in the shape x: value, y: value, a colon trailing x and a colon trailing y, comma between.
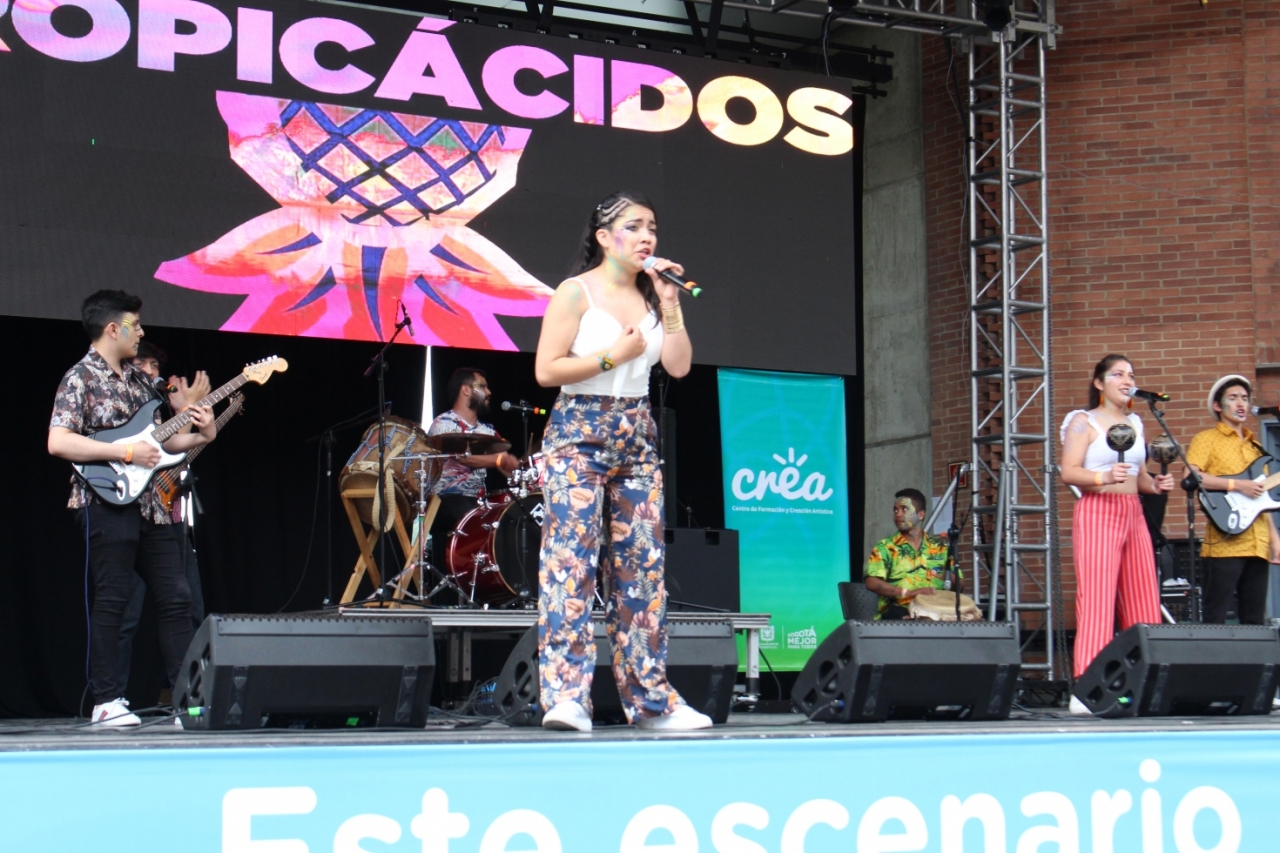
x: 597, y: 330
x: 1098, y: 456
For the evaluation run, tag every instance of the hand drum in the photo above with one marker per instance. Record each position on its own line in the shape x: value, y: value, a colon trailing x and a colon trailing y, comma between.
x: 1120, y: 438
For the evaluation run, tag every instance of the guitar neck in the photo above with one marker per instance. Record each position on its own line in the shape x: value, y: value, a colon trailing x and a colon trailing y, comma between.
x: 169, y: 476
x: 221, y: 421
x: 170, y: 428
x: 1271, y: 482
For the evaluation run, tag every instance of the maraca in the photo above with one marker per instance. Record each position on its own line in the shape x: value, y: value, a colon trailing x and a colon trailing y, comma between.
x: 1121, y: 437
x: 1164, y: 450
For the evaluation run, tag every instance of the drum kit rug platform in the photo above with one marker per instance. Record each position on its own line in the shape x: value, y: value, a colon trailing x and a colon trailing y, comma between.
x: 492, y: 556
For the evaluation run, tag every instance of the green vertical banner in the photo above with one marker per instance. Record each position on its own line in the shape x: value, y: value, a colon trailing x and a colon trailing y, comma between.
x: 787, y: 494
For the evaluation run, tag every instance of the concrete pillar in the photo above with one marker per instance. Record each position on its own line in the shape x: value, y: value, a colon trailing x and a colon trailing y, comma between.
x: 895, y: 331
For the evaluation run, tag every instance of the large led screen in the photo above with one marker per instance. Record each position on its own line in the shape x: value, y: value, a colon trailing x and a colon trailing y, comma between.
x: 304, y: 168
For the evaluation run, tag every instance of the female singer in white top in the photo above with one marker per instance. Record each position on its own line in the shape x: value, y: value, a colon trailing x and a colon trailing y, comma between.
x: 1114, y: 559
x: 603, y: 331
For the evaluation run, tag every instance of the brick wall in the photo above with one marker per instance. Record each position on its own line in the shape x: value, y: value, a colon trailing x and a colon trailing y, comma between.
x: 1164, y: 182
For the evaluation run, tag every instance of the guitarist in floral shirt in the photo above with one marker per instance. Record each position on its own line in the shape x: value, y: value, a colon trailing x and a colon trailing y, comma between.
x: 103, y: 391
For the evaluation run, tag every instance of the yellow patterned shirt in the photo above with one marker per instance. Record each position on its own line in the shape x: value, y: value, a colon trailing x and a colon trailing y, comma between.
x: 1222, y: 453
x: 894, y: 560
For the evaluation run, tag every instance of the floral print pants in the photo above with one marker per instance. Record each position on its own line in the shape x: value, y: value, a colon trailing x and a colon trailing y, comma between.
x: 595, y: 445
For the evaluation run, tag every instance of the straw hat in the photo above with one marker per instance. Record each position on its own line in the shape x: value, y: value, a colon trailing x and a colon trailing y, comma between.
x: 1230, y: 378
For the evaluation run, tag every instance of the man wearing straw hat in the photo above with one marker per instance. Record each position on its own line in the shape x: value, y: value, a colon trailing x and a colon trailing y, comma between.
x: 1234, y: 565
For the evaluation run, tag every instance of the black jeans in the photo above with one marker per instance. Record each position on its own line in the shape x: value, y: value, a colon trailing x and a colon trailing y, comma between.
x: 1249, y: 578
x: 137, y: 599
x: 120, y: 540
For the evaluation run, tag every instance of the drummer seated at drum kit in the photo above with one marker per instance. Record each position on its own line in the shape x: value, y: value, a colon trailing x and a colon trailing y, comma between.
x: 910, y: 565
x: 461, y: 482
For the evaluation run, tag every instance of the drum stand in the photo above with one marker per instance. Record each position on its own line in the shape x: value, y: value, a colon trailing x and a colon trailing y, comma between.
x: 427, y: 510
x: 366, y: 562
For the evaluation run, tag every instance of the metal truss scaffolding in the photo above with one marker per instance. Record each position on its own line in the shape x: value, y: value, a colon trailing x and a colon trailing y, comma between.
x: 1014, y: 531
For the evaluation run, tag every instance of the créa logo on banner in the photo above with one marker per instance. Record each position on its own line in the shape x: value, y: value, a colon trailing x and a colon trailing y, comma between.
x: 787, y: 483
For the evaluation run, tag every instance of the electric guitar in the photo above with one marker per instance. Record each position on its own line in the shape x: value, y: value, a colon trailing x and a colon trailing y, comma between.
x: 1232, y: 512
x: 122, y: 483
x: 169, y: 481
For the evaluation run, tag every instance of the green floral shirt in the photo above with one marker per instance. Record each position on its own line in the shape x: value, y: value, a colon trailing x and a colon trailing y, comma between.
x: 895, y: 561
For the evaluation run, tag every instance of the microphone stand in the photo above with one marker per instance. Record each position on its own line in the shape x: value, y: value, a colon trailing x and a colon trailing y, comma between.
x: 1190, y: 484
x: 524, y: 427
x: 949, y: 572
x: 379, y: 364
x: 326, y: 439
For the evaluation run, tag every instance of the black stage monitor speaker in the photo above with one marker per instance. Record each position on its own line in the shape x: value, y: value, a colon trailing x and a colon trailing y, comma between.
x: 1183, y: 670
x: 871, y: 671
x: 702, y: 569
x: 307, y: 671
x: 702, y: 665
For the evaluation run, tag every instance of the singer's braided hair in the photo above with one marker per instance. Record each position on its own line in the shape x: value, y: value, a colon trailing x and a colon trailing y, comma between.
x: 592, y: 255
x: 1100, y: 373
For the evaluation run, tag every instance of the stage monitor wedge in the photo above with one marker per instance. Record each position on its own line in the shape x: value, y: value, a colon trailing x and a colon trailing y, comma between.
x: 871, y: 671
x: 702, y: 665
x: 1183, y: 670
x: 307, y: 671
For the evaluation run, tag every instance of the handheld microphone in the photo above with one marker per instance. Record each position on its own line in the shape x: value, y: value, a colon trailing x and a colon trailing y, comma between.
x: 689, y: 287
x: 161, y: 385
x: 1149, y: 396
x: 508, y: 406
x: 408, y: 323
x: 1259, y: 411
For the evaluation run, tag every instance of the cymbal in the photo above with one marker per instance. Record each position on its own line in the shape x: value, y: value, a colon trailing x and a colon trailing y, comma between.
x: 462, y: 442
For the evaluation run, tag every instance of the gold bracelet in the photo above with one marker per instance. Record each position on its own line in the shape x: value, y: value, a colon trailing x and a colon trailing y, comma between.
x: 673, y: 318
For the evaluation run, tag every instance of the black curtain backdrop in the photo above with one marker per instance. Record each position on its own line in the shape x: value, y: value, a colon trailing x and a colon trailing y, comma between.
x: 264, y: 537
x: 258, y: 483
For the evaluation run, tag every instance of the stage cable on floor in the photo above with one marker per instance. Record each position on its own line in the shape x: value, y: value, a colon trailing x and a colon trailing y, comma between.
x: 88, y: 621
x: 311, y: 538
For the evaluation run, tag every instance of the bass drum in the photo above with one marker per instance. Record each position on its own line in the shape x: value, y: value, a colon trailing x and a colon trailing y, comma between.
x: 493, y: 555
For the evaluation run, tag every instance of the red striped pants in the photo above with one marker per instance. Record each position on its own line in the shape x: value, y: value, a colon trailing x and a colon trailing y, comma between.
x: 1115, y: 572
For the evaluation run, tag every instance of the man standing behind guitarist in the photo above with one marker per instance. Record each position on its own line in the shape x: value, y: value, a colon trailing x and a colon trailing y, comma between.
x: 1234, y: 564
x: 103, y: 391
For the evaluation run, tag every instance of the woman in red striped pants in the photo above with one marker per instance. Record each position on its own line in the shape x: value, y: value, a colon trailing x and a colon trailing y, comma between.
x: 1114, y: 560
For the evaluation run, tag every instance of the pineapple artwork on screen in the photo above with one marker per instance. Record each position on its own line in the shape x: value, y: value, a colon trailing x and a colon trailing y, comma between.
x: 374, y: 207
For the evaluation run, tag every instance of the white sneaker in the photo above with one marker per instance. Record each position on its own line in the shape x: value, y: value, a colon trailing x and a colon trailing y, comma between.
x: 114, y: 713
x: 567, y: 717
x: 681, y: 719
x: 1078, y: 707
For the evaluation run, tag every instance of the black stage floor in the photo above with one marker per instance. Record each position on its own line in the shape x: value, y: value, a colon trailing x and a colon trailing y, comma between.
x: 70, y: 734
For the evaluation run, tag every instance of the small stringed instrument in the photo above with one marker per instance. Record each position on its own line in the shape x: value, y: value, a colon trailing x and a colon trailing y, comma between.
x: 122, y: 483
x: 169, y: 481
x: 1232, y: 512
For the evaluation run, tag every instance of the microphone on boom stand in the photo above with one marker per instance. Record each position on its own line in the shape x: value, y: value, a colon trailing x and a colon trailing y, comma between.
x: 508, y: 406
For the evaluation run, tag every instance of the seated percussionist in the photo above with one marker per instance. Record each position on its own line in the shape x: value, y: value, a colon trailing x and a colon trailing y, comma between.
x: 909, y: 563
x: 462, y: 480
